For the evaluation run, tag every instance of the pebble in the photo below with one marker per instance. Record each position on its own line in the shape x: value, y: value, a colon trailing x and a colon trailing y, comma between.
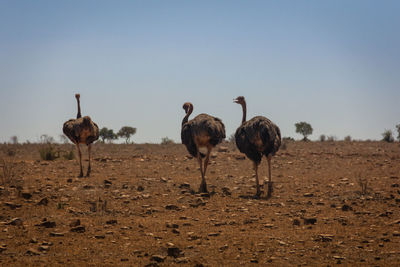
x: 174, y: 252
x: 157, y: 258
x: 78, y: 229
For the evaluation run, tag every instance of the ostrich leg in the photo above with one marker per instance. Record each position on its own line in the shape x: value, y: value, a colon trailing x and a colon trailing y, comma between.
x: 80, y: 160
x: 270, y: 189
x: 89, y: 169
x: 257, y: 183
x: 205, y: 169
x: 203, y: 185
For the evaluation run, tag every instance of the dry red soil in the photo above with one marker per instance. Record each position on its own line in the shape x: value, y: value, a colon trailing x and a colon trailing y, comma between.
x: 333, y: 203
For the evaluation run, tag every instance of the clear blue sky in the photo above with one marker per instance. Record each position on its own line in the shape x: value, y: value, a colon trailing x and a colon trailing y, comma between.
x: 334, y: 64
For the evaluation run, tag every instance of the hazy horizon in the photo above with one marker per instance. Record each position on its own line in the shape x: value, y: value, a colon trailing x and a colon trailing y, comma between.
x: 335, y: 65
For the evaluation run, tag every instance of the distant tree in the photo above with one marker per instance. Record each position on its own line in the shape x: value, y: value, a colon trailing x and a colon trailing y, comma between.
x: 167, y: 141
x: 304, y: 129
x: 126, y: 132
x: 14, y: 139
x: 107, y: 134
x: 46, y: 139
x: 398, y: 131
x: 332, y: 138
x: 347, y: 138
x: 63, y: 139
x: 322, y: 138
x: 388, y: 136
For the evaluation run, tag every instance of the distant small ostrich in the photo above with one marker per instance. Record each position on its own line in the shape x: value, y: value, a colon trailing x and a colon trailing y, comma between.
x: 255, y: 138
x: 81, y: 130
x: 202, y: 131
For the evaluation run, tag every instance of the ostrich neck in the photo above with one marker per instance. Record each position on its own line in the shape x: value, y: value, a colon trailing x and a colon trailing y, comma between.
x: 186, y: 118
x: 79, y: 109
x: 244, y: 112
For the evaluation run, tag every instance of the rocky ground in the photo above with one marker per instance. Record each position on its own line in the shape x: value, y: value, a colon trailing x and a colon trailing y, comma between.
x: 333, y: 203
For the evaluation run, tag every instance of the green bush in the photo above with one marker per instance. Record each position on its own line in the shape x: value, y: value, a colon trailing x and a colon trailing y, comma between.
x: 388, y: 136
x: 47, y: 152
x: 167, y: 141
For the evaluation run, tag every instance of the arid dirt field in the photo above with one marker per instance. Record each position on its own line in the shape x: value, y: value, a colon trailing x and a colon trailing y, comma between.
x: 333, y: 203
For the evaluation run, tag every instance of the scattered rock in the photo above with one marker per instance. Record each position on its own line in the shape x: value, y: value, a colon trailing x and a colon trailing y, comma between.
x: 140, y: 188
x: 240, y: 157
x: 296, y: 222
x: 44, y: 248
x: 226, y: 191
x: 157, y: 258
x: 2, y: 248
x: 113, y: 221
x: 44, y: 201
x: 12, y: 206
x: 185, y: 185
x: 56, y: 234
x: 75, y: 223
x: 26, y: 194
x: 15, y: 221
x: 346, y: 207
x: 182, y: 260
x: 47, y: 224
x: 309, y: 220
x: 213, y: 234
x: 99, y: 236
x: 324, y: 238
x: 172, y: 207
x: 32, y: 252
x: 308, y: 195
x: 78, y: 229
x: 174, y: 252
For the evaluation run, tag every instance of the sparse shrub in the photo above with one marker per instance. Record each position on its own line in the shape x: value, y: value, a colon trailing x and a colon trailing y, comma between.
x: 398, y: 131
x: 232, y: 139
x: 46, y: 139
x: 48, y: 153
x: 69, y: 155
x: 304, y: 128
x: 388, y: 136
x: 283, y: 145
x: 347, y: 138
x: 7, y: 172
x: 363, y: 183
x: 288, y: 139
x: 14, y: 140
x: 322, y: 138
x: 167, y: 141
x: 332, y: 138
x: 63, y: 139
x: 11, y: 152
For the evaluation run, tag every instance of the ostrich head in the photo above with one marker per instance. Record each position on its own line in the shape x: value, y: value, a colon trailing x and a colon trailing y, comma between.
x: 239, y: 100
x: 77, y: 96
x: 187, y: 106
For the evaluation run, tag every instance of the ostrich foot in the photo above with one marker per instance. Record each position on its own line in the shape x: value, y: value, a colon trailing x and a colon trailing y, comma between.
x: 81, y: 174
x: 270, y: 190
x: 203, y: 188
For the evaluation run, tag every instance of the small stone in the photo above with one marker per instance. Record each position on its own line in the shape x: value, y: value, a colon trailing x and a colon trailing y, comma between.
x: 44, y: 201
x: 32, y: 252
x: 33, y: 240
x: 309, y: 220
x: 44, y: 248
x: 78, y: 229
x: 75, y: 223
x: 175, y: 231
x: 253, y: 260
x: 113, y: 221
x: 324, y: 238
x: 12, y: 206
x: 56, y: 234
x: 99, y: 236
x: 124, y: 259
x: 174, y: 252
x: 346, y: 207
x: 15, y: 221
x: 47, y: 224
x: 396, y: 233
x: 240, y: 157
x: 308, y: 195
x: 140, y: 188
x: 296, y: 222
x: 157, y: 258
x: 185, y: 185
x: 171, y: 207
x: 182, y: 260
x: 26, y: 194
x: 226, y: 191
x: 213, y: 234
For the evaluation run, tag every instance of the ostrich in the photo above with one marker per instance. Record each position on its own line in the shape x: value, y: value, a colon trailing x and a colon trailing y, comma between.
x: 255, y: 138
x: 202, y: 131
x: 81, y: 130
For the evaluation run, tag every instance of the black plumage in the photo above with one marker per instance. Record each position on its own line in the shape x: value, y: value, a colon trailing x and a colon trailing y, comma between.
x: 202, y: 131
x: 255, y: 138
x: 81, y: 130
